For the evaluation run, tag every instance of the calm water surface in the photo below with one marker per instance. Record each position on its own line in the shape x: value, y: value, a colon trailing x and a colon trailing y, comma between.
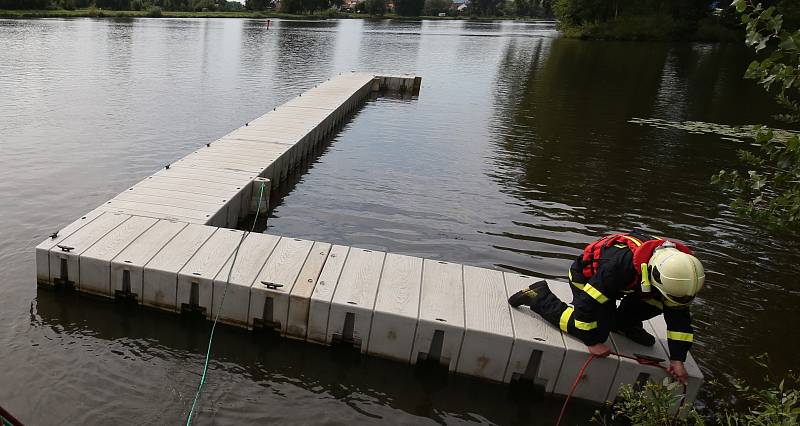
x: 517, y: 152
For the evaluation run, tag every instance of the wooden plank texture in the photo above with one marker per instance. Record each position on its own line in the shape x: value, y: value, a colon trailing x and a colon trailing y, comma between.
x: 64, y: 257
x: 535, y: 340
x: 596, y: 382
x: 249, y: 260
x: 43, y: 275
x: 269, y: 294
x: 355, y: 295
x: 95, y: 262
x: 160, y: 278
x: 440, y: 330
x: 488, y: 332
x: 300, y: 296
x: 394, y: 321
x: 203, y: 267
x: 320, y: 305
x: 131, y: 261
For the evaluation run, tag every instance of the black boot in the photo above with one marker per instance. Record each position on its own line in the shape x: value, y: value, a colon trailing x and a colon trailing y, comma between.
x: 638, y: 335
x: 528, y: 295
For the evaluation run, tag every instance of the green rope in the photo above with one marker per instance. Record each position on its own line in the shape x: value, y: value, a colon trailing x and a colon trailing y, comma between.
x: 219, y: 310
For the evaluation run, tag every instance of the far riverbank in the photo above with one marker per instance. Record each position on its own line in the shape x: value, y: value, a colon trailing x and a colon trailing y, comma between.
x: 151, y: 13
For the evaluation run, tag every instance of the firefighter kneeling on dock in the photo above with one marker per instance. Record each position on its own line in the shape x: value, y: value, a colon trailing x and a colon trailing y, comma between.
x: 627, y: 267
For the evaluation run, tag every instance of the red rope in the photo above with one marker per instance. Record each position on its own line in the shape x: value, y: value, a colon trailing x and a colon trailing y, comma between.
x: 574, y: 385
x: 643, y: 361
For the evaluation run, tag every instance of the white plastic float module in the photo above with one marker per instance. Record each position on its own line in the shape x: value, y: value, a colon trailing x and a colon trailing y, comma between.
x: 157, y: 211
x: 394, y: 319
x: 160, y: 279
x: 354, y: 298
x: 171, y: 197
x: 127, y: 268
x: 489, y: 334
x: 95, y: 262
x: 440, y: 329
x: 184, y: 186
x: 250, y: 258
x: 196, y: 278
x: 300, y: 295
x: 269, y: 295
x: 539, y: 349
x: 598, y: 377
x: 320, y: 304
x: 64, y: 257
x: 43, y: 275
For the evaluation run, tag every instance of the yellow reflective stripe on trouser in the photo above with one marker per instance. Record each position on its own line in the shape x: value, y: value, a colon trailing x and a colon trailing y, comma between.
x: 585, y: 325
x: 595, y: 293
x: 579, y: 285
x: 565, y: 318
x: 684, y: 337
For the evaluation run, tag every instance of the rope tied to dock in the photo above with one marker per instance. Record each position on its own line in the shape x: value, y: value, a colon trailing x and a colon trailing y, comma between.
x: 219, y: 309
x: 639, y: 359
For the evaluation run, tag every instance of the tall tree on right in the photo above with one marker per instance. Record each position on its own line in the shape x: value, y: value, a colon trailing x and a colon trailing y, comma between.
x: 767, y: 185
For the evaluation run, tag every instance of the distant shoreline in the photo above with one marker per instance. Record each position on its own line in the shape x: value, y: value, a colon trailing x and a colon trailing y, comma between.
x: 105, y: 13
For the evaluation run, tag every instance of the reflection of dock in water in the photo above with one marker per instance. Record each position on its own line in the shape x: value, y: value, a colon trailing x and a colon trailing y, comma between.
x: 168, y: 243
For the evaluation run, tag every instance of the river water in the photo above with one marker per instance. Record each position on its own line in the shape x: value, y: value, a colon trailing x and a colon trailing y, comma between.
x: 516, y: 153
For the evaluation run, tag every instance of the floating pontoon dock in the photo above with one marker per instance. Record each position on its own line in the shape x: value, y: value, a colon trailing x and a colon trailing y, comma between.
x: 167, y: 243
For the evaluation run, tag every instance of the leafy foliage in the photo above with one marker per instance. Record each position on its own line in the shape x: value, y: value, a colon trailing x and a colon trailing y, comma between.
x: 774, y: 402
x: 767, y: 185
x: 642, y: 19
x: 655, y: 404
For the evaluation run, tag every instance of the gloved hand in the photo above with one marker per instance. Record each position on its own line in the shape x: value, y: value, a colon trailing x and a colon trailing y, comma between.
x: 599, y: 350
x: 678, y: 371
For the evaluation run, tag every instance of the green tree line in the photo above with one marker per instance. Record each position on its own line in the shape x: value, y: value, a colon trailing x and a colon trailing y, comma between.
x: 172, y: 5
x: 658, y: 19
x: 411, y: 8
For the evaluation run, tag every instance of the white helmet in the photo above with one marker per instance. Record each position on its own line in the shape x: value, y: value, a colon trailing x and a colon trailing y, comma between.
x: 677, y: 275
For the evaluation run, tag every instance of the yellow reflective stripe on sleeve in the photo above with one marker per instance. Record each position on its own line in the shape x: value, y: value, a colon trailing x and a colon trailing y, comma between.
x: 579, y: 285
x: 595, y: 293
x: 655, y: 303
x: 564, y: 321
x: 585, y: 325
x: 684, y: 337
x: 635, y: 240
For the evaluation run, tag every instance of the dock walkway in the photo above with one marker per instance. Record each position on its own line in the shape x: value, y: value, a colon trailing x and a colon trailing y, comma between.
x: 167, y: 243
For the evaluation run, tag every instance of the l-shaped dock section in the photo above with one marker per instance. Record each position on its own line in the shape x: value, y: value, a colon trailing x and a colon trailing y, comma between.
x: 168, y: 242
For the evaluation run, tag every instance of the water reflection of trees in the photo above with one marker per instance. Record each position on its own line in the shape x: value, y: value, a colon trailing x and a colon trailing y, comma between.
x: 562, y: 127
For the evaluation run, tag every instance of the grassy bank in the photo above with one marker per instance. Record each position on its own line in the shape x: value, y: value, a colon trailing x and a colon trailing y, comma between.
x: 657, y: 28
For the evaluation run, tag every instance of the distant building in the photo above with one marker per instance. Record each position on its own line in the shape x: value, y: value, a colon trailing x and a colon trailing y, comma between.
x: 459, y: 5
